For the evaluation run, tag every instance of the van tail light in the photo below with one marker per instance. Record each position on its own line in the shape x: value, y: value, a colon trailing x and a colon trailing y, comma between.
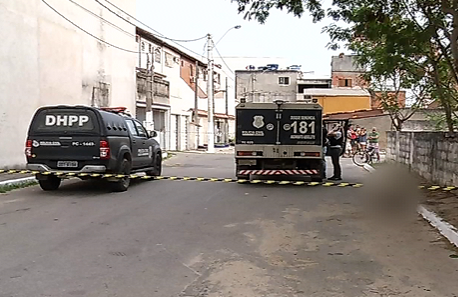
x: 249, y: 153
x: 306, y: 154
x: 104, y: 150
x: 28, y: 148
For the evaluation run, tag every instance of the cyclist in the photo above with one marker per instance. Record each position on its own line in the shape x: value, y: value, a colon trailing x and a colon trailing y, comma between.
x: 373, y: 142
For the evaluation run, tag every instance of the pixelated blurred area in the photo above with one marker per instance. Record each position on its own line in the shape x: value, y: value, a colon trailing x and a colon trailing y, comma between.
x: 390, y: 196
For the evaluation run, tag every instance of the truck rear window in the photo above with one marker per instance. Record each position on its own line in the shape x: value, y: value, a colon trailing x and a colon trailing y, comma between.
x: 65, y: 120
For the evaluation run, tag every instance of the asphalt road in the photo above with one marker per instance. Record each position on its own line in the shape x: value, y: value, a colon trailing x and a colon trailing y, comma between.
x: 189, y: 238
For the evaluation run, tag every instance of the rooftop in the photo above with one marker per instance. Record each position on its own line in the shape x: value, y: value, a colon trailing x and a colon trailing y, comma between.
x: 159, y: 41
x: 336, y: 92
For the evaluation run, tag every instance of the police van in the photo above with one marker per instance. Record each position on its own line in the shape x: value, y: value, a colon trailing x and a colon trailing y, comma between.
x: 82, y: 139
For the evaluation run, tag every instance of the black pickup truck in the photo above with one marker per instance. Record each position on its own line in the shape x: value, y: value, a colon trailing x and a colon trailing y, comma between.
x: 82, y: 139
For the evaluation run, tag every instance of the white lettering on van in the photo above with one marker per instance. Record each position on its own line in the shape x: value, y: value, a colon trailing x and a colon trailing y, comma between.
x: 65, y: 120
x: 62, y: 120
x: 83, y: 119
x: 72, y: 119
x: 50, y: 120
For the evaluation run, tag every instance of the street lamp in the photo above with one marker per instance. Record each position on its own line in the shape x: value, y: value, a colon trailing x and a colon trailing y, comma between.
x: 210, y: 90
x: 235, y: 27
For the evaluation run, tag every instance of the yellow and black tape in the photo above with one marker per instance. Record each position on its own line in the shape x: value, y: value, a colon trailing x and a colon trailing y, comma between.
x: 209, y: 179
x: 185, y: 178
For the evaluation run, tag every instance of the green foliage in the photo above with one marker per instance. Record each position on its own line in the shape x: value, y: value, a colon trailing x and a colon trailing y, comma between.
x: 412, y: 41
x: 439, y: 122
x: 259, y: 10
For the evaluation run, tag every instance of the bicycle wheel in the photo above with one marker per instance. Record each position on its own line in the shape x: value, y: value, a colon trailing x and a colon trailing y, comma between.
x: 360, y: 158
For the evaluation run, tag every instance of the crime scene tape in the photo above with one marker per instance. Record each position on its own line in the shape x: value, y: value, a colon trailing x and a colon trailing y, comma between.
x: 209, y: 179
x: 184, y: 178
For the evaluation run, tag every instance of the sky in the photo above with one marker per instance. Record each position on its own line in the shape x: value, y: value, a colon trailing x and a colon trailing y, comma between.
x: 298, y: 40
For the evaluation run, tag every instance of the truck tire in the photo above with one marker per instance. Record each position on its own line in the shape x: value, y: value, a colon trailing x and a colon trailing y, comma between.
x: 52, y: 183
x: 122, y: 184
x: 157, y: 166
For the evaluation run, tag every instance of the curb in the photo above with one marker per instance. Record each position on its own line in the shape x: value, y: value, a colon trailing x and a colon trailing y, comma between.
x: 446, y: 229
x: 368, y: 168
x: 19, y: 181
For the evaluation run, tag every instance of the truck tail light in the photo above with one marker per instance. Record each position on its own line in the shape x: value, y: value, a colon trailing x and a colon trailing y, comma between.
x: 306, y: 154
x: 28, y: 148
x: 104, y: 150
x: 249, y: 153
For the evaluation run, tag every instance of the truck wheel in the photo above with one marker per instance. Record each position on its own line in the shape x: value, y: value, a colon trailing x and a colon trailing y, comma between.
x: 123, y: 183
x: 157, y: 166
x: 52, y: 183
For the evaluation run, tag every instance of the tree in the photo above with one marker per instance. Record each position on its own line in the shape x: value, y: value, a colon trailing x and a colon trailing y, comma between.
x: 260, y: 9
x: 415, y: 38
x: 387, y: 90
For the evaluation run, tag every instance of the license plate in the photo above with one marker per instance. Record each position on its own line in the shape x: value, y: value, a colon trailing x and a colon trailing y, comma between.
x: 67, y: 164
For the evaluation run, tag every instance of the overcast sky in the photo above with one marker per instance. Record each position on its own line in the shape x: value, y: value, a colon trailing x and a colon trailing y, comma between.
x: 300, y: 41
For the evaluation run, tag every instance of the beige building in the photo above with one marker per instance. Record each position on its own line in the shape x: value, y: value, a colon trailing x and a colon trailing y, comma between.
x: 46, y: 60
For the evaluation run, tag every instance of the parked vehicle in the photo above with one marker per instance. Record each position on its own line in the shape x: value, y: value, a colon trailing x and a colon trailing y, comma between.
x: 279, y: 139
x: 81, y: 139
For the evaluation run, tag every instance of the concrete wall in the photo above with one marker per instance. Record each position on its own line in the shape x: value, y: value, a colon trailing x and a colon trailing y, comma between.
x: 263, y: 86
x: 46, y: 61
x: 433, y: 155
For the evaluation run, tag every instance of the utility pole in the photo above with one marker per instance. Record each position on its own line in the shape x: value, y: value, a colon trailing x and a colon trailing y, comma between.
x: 226, y: 126
x: 196, y: 94
x: 150, y: 96
x: 211, y: 124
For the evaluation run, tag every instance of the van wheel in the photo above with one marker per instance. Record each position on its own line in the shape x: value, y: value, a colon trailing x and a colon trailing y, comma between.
x: 52, y: 183
x: 157, y: 167
x: 123, y: 183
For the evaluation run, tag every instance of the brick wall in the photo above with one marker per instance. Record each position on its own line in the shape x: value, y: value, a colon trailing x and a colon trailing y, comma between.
x: 433, y: 155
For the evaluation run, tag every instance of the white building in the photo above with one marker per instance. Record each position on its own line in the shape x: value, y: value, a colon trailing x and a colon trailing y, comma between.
x: 46, y: 60
x: 173, y: 117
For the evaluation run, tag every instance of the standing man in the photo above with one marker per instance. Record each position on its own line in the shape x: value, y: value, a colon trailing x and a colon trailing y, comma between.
x: 325, y: 150
x: 373, y: 142
x: 335, y: 137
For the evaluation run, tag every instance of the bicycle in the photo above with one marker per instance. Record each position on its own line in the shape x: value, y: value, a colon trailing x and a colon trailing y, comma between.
x: 364, y: 157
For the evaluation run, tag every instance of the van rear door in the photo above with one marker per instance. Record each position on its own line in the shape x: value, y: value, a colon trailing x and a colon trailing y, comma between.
x: 65, y: 138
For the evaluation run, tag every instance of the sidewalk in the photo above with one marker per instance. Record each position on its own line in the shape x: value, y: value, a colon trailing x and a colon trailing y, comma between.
x: 225, y: 151
x: 15, y: 179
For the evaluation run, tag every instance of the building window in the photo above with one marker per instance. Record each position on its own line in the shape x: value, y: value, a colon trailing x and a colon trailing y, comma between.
x: 157, y: 55
x: 143, y: 46
x: 168, y: 60
x: 283, y: 80
x: 345, y: 82
x: 137, y: 38
x: 150, y: 48
x: 192, y: 69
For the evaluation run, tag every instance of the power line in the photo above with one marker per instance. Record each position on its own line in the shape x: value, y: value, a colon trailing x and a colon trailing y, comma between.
x: 223, y: 59
x: 88, y: 33
x: 140, y: 22
x: 104, y: 20
x: 160, y: 35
